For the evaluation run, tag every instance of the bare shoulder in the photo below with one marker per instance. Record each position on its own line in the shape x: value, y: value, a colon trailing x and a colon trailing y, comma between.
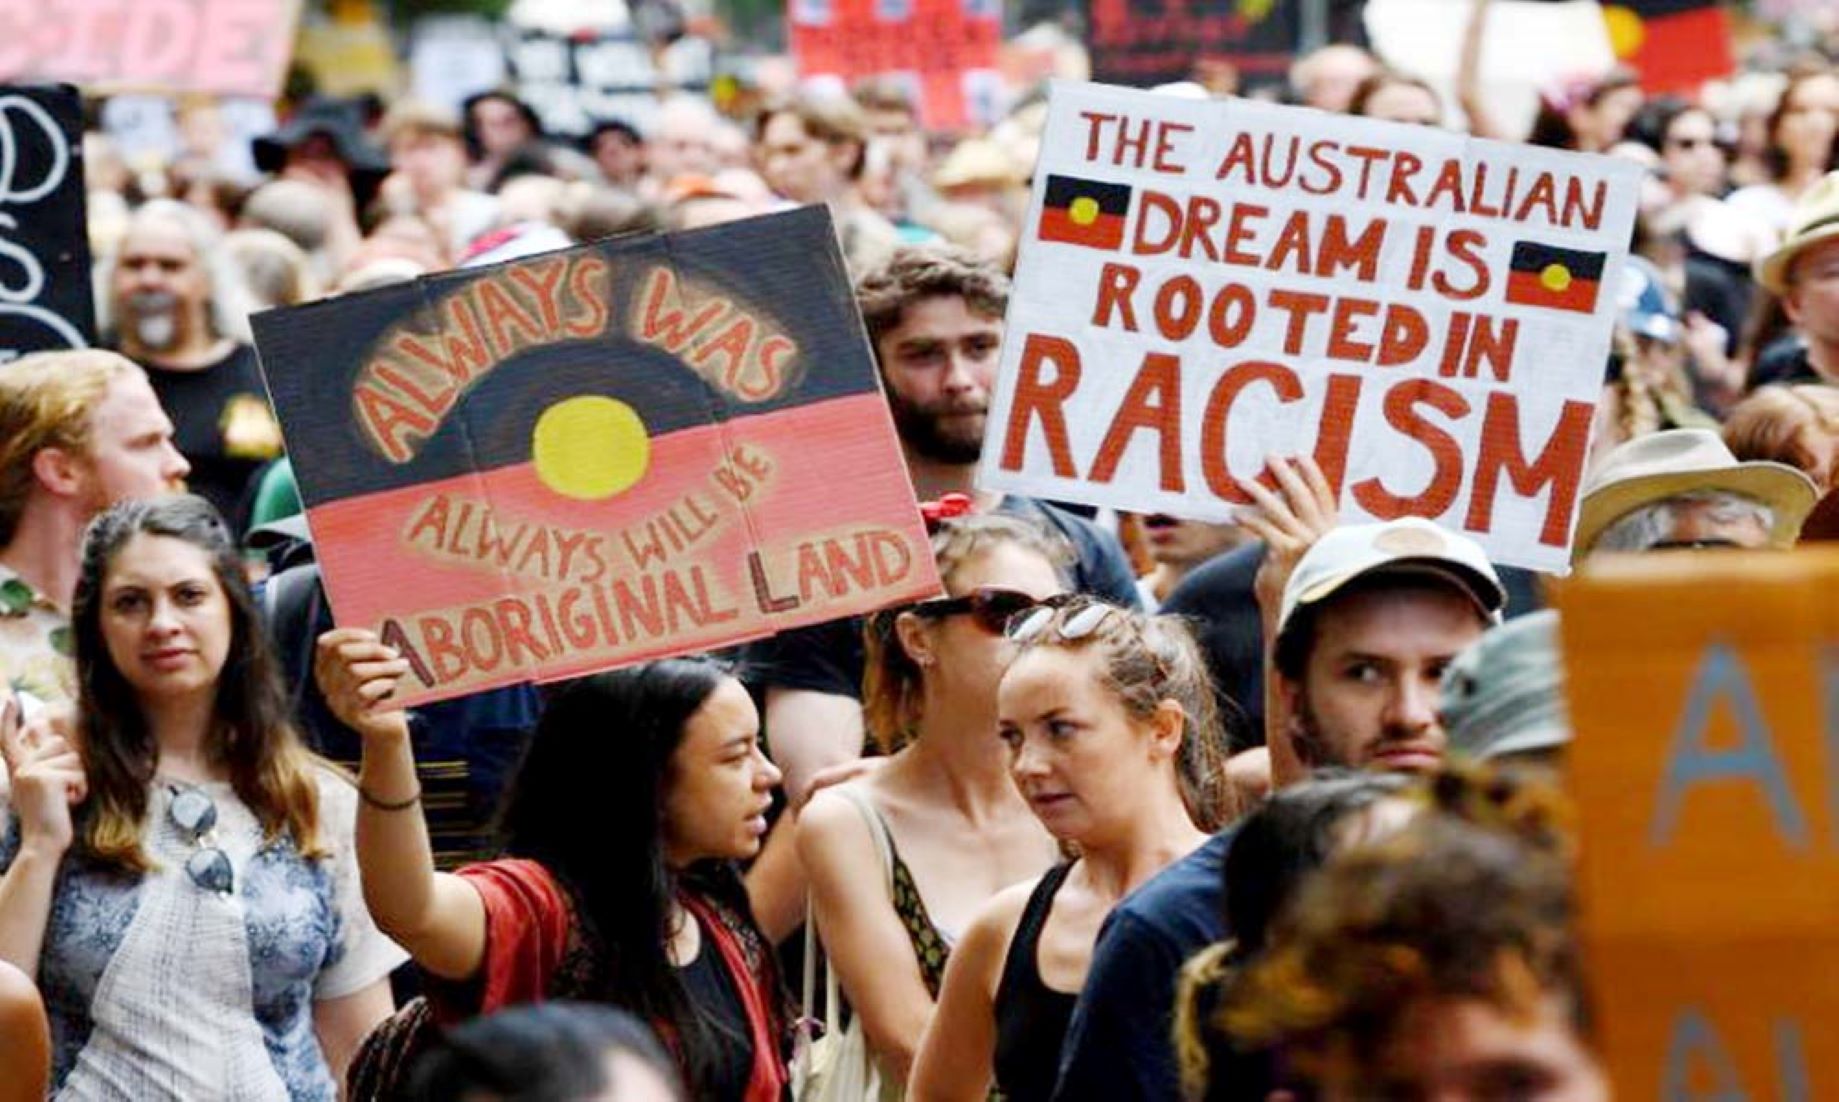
x: 831, y: 825
x: 989, y: 933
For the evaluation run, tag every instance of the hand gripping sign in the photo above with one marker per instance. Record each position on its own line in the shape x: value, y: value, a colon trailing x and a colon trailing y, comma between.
x: 649, y: 446
x: 1203, y: 284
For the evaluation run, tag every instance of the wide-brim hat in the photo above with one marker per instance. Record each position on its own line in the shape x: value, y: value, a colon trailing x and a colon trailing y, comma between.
x: 340, y: 120
x: 1673, y: 462
x: 1816, y: 219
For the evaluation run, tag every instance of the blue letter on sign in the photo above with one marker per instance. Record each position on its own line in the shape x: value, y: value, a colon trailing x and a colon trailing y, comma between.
x: 1721, y: 676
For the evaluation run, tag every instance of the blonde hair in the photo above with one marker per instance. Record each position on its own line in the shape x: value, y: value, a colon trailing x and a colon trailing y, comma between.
x: 46, y: 401
x: 891, y: 679
x: 1773, y: 424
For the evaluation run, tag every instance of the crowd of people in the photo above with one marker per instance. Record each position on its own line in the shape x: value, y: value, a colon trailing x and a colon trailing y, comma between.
x: 1138, y: 807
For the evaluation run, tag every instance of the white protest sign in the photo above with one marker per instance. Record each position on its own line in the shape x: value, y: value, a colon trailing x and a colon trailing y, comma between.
x: 1206, y: 283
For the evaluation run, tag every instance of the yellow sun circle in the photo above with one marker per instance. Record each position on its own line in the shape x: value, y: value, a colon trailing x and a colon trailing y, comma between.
x: 590, y: 447
x: 1555, y: 277
x: 1625, y: 31
x: 1083, y: 211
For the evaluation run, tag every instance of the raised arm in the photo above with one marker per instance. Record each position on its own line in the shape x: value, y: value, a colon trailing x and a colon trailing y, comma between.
x: 864, y: 939
x: 437, y: 917
x: 1468, y: 75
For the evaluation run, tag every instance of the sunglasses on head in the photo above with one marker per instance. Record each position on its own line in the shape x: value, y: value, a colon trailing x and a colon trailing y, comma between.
x: 194, y: 813
x: 1082, y: 616
x: 990, y: 607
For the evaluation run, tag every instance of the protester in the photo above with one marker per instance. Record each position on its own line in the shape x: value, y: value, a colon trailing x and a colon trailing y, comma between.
x: 1649, y: 388
x: 618, y: 150
x: 186, y: 890
x: 325, y: 146
x: 1112, y: 738
x: 1396, y: 97
x: 1804, y: 272
x: 1276, y: 848
x: 1587, y: 114
x: 1364, y: 619
x: 548, y: 1052
x: 495, y: 125
x: 274, y: 270
x: 1328, y: 77
x: 643, y: 909
x: 901, y: 860
x: 1685, y: 136
x: 175, y: 302
x: 1794, y: 425
x: 1683, y: 488
x: 1803, y: 140
x: 1503, y: 698
x: 1176, y: 546
x: 427, y: 153
x: 1441, y: 964
x: 934, y: 321
x: 812, y: 149
x: 78, y: 432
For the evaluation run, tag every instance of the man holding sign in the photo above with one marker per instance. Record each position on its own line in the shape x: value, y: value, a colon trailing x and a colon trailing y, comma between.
x: 1210, y: 282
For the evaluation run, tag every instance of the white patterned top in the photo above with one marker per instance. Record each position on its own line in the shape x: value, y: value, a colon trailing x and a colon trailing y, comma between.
x: 161, y: 989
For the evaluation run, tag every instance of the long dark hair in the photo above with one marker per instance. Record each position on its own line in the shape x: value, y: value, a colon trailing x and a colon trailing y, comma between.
x: 251, y: 734
x: 588, y: 805
x: 541, y: 1052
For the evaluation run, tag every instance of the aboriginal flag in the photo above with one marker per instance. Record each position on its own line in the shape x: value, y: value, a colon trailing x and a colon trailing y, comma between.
x: 1084, y: 212
x: 1561, y: 279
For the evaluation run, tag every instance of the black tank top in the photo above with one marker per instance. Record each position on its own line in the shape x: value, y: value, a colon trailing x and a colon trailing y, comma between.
x: 1031, y: 1018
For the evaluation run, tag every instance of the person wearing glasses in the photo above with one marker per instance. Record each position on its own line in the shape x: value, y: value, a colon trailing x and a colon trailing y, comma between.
x: 901, y: 860
x: 1109, y: 720
x: 185, y: 890
x: 640, y: 791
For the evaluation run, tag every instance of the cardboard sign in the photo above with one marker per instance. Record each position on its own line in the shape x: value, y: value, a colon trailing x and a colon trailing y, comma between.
x: 945, y: 50
x: 46, y: 298
x: 1204, y: 284
x: 577, y: 81
x: 1154, y: 42
x: 1704, y: 690
x: 231, y: 47
x: 649, y: 446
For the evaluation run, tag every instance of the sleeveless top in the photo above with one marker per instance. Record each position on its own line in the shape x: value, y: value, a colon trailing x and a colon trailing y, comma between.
x: 931, y: 945
x: 1031, y: 1018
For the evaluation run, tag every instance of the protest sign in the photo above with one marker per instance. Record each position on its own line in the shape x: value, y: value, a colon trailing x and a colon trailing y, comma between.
x: 231, y: 47
x: 643, y: 447
x: 944, y: 50
x: 1709, y: 813
x: 1154, y: 42
x: 574, y: 82
x: 46, y: 299
x: 1205, y: 283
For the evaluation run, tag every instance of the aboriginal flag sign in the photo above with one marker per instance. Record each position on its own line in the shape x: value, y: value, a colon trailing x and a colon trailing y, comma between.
x: 649, y: 446
x: 1563, y: 279
x: 1084, y: 212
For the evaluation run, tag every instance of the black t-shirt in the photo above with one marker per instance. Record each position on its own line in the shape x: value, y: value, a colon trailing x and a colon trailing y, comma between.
x: 1784, y: 362
x: 204, y: 405
x: 713, y: 996
x: 829, y: 657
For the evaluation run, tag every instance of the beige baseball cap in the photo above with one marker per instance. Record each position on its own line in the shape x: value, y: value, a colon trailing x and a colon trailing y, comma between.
x: 1409, y: 545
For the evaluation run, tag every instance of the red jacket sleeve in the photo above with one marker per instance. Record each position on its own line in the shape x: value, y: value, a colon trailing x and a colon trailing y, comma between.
x: 526, y: 933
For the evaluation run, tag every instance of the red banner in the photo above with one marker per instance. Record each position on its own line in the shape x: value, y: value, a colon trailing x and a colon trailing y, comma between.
x: 945, y: 49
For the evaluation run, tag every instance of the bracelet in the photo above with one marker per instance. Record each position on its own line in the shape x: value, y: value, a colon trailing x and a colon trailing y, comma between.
x: 382, y: 806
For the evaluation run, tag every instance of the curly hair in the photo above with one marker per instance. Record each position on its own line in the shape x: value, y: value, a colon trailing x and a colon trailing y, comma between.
x: 922, y: 272
x: 1448, y: 908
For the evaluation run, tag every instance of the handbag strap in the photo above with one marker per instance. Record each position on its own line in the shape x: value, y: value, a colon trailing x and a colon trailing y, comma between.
x: 884, y: 849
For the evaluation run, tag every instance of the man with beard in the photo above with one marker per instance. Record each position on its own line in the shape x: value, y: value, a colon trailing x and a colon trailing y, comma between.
x: 172, y: 314
x: 1368, y: 620
x: 79, y: 431
x: 934, y: 319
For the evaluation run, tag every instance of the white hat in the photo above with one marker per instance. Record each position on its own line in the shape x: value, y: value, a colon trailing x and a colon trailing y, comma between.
x: 1407, y: 546
x: 1816, y: 219
x: 1672, y: 462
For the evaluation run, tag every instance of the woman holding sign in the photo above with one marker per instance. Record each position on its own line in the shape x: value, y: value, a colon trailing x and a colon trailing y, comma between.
x: 186, y: 888
x: 640, y: 790
x: 1108, y: 716
x: 901, y: 860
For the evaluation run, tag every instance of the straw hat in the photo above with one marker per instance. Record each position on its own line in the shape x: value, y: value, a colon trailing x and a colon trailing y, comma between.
x: 1667, y: 464
x: 1816, y: 219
